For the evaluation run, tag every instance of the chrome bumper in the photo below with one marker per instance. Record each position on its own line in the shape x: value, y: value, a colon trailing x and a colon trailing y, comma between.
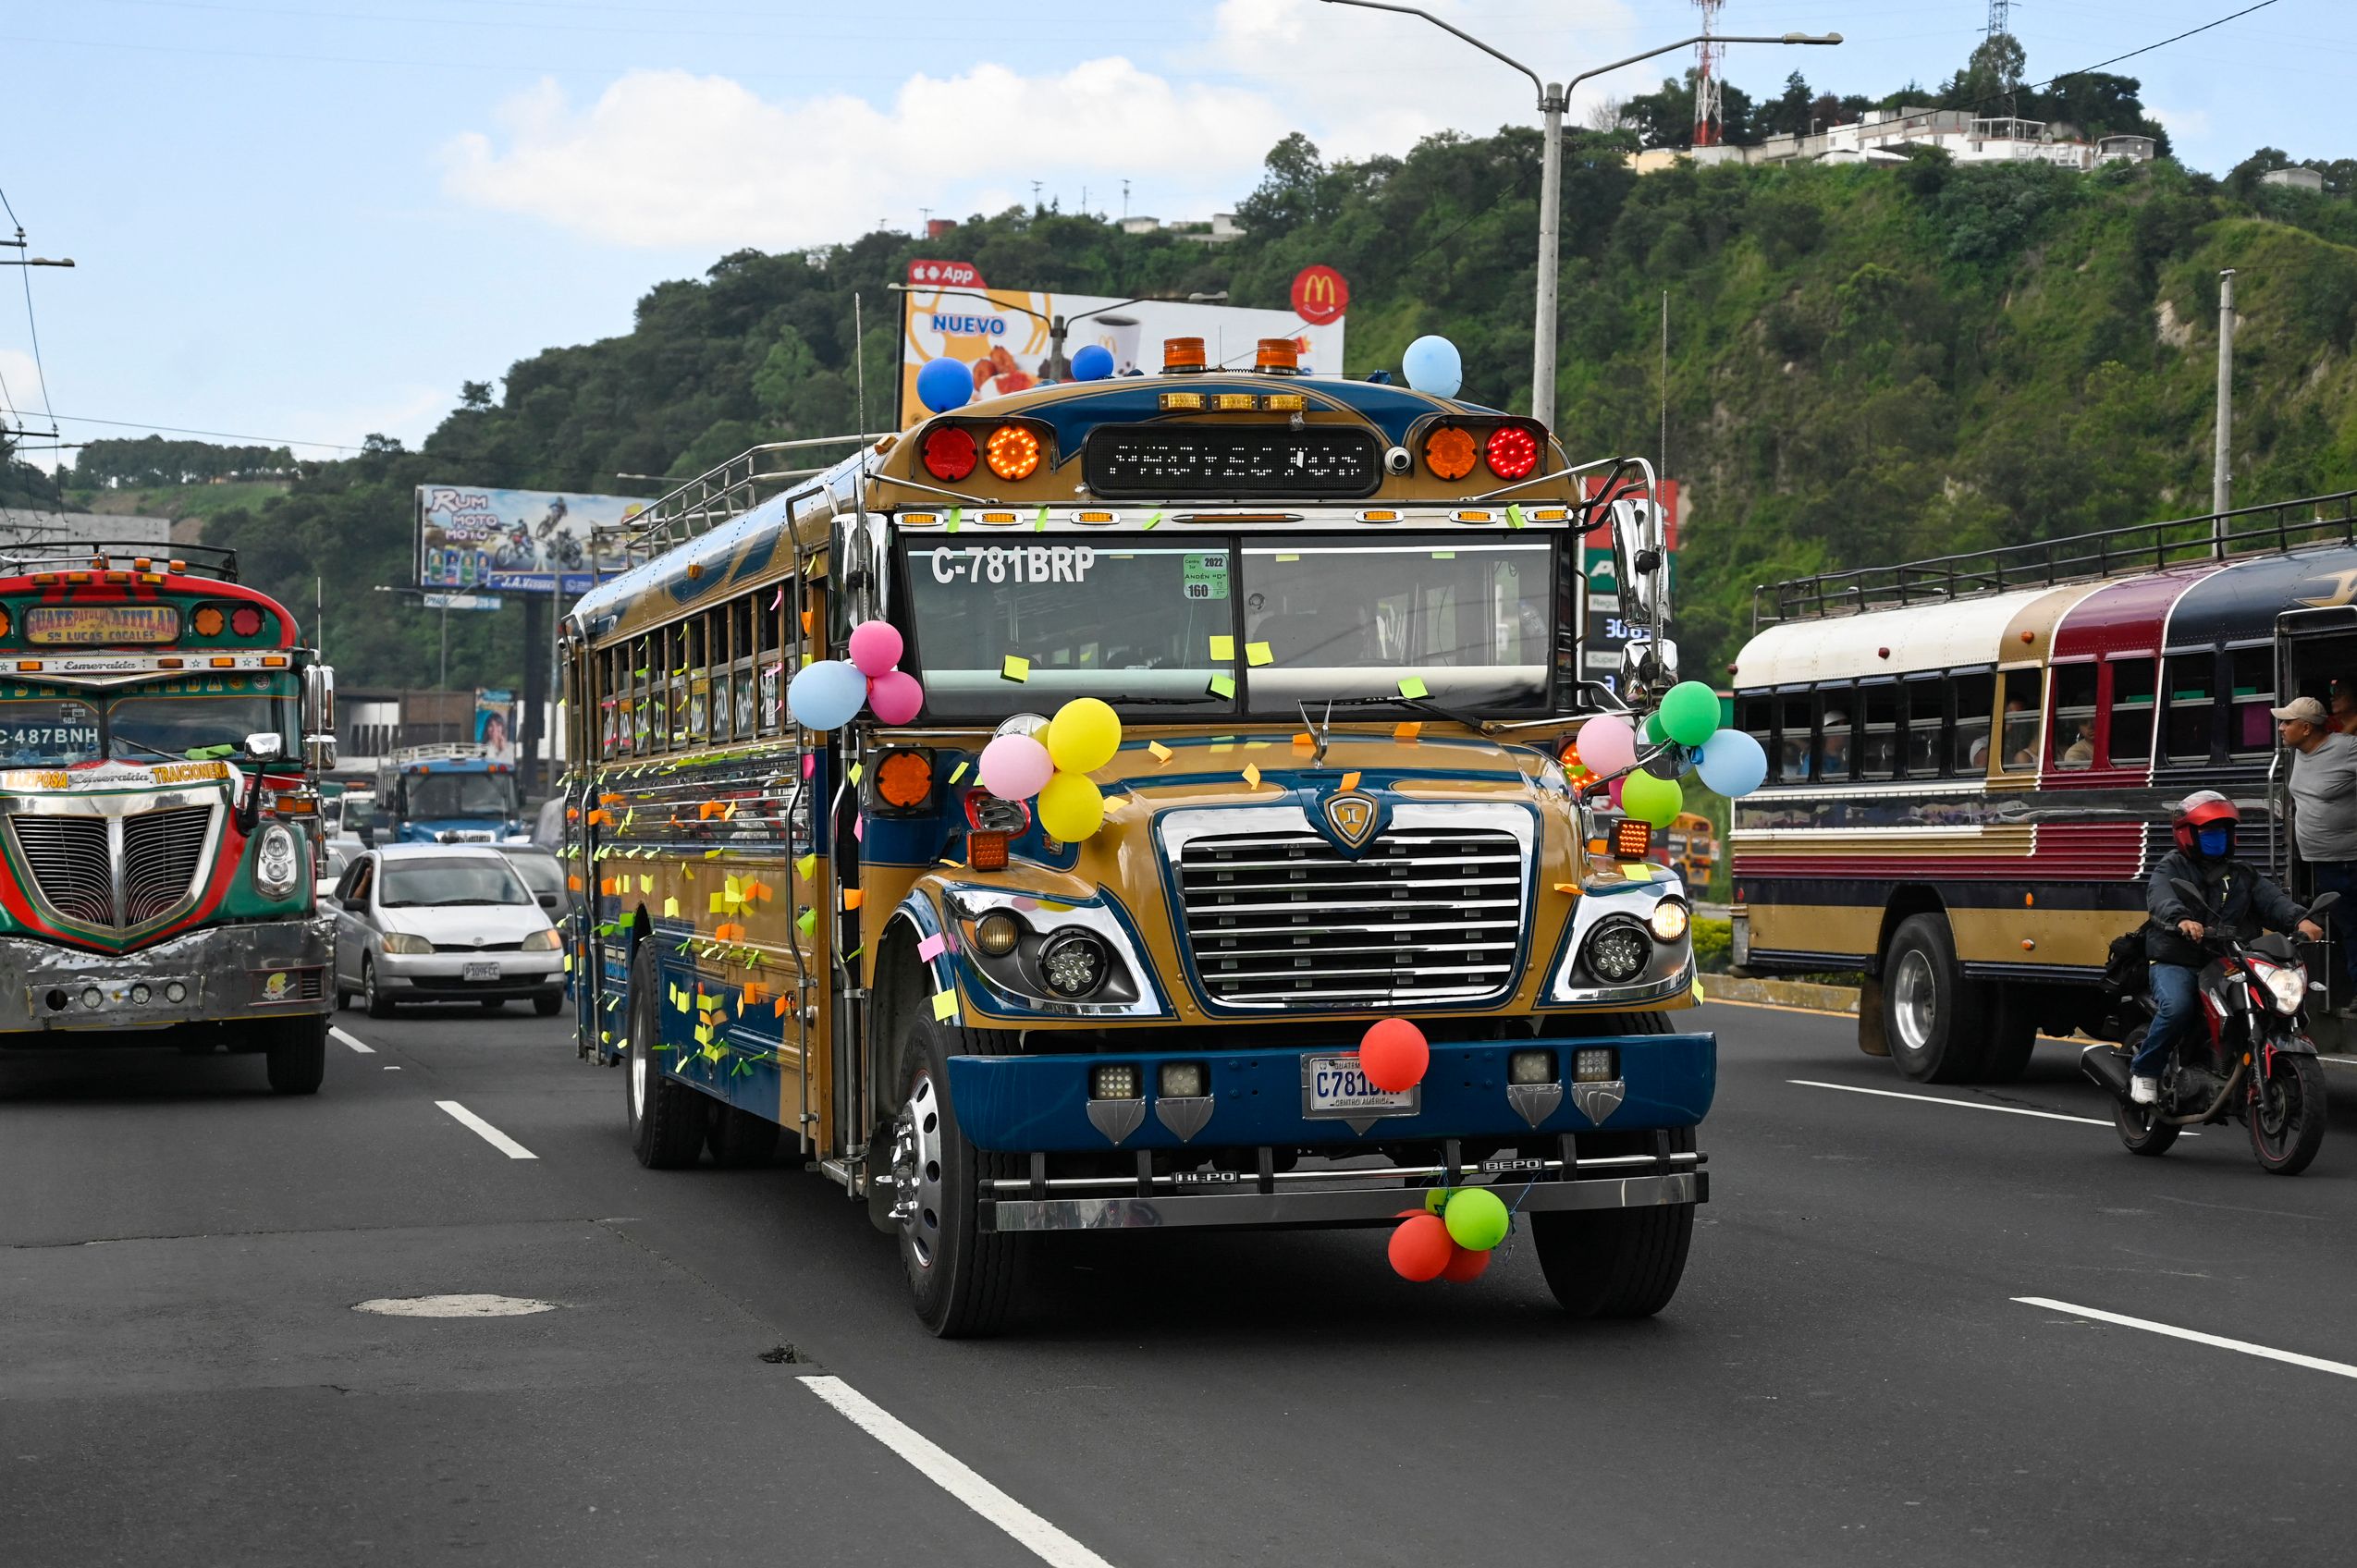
x: 223, y: 971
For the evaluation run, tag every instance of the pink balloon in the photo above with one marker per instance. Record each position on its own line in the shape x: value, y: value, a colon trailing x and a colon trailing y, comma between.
x: 896, y: 696
x: 1613, y: 792
x: 1607, y: 745
x: 1016, y: 768
x: 875, y: 646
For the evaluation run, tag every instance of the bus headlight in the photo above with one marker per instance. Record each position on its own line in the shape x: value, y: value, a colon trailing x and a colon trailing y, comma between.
x: 1618, y: 952
x: 1073, y: 963
x: 1668, y: 920
x: 275, y: 862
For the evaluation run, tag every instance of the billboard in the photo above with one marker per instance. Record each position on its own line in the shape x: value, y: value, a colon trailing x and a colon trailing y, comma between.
x: 532, y: 540
x: 1004, y: 334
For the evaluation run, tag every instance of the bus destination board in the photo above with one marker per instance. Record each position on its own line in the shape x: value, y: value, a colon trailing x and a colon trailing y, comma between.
x: 1273, y: 462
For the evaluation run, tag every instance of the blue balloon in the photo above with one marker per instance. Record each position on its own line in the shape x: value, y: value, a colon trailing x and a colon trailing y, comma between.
x: 1094, y: 362
x: 1433, y: 365
x: 829, y: 694
x: 944, y: 384
x: 1733, y: 764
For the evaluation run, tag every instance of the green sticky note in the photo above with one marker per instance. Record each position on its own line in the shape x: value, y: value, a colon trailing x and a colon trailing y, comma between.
x: 1153, y: 523
x: 854, y: 773
x: 1257, y: 653
x: 1016, y: 668
x: 806, y: 921
x: 1282, y: 559
x: 1413, y: 686
x: 1039, y: 523
x: 957, y: 515
x: 1222, y: 686
x: 1514, y: 514
x: 945, y: 1006
x: 1444, y: 554
x: 1224, y: 649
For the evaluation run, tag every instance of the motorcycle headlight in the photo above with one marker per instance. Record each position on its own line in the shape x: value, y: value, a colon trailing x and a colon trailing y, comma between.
x: 2288, y: 988
x: 275, y: 862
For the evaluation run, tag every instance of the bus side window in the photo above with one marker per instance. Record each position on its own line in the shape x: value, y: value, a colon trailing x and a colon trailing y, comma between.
x: 1926, y: 717
x: 1756, y: 717
x: 770, y: 651
x: 2250, y: 728
x: 1974, y: 696
x: 1878, y: 748
x: 1836, y: 706
x: 2132, y: 712
x: 2023, y: 694
x: 2193, y: 687
x: 1791, y: 755
x: 2074, y: 729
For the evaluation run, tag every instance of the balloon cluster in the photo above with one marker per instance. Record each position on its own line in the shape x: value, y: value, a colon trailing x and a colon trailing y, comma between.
x: 1451, y: 1238
x: 829, y: 694
x: 1729, y: 760
x: 1053, y: 762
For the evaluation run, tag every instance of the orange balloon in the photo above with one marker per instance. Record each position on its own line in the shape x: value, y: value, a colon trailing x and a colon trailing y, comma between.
x: 1420, y: 1248
x: 1465, y: 1265
x: 1393, y: 1056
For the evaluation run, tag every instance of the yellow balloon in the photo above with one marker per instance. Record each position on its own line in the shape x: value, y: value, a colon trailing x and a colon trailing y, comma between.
x: 1072, y: 807
x: 1084, y: 735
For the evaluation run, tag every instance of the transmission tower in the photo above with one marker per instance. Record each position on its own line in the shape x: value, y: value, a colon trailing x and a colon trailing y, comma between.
x: 2000, y: 17
x: 1710, y: 57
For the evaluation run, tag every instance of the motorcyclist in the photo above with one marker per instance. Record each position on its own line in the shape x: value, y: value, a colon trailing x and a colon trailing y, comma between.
x: 2204, y: 825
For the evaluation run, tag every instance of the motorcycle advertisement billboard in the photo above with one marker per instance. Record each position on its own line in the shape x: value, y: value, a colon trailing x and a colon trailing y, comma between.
x: 1005, y: 336
x: 477, y: 538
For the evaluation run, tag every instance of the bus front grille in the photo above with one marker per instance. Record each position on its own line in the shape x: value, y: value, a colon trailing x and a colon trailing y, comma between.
x: 71, y: 864
x: 1426, y: 916
x: 119, y: 874
x: 161, y: 852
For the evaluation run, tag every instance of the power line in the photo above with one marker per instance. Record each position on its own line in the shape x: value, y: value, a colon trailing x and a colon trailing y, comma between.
x: 222, y: 434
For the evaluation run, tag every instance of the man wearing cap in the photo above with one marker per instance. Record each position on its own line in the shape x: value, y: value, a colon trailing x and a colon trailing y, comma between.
x: 2324, y: 815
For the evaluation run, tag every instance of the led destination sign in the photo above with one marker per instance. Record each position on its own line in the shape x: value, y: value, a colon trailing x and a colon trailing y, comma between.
x: 1264, y: 462
x: 101, y: 625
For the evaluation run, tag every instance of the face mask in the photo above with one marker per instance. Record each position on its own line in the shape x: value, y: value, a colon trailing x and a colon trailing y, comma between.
x: 2216, y: 842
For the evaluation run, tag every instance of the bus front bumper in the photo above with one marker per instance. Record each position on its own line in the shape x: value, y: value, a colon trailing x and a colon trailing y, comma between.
x: 212, y: 974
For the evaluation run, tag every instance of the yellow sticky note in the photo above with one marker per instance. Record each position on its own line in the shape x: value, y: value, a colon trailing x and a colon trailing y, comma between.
x: 732, y: 890
x: 1222, y: 686
x: 855, y: 768
x: 1413, y: 686
x: 1282, y: 559
x: 1252, y: 776
x: 647, y: 883
x: 945, y: 1006
x: 670, y: 908
x: 1258, y: 745
x: 806, y: 866
x: 1257, y: 653
x: 1158, y: 751
x: 1016, y: 668
x: 1697, y: 990
x: 1636, y: 873
x: 717, y: 904
x: 1223, y: 648
x: 1350, y: 779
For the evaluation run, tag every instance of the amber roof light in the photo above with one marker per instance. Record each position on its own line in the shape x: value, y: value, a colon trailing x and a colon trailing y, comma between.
x: 1278, y: 356
x: 1181, y: 353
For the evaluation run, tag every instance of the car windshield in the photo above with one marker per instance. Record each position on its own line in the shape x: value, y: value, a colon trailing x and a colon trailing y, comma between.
x: 540, y: 873
x: 61, y: 730
x: 1210, y: 624
x: 416, y: 884
x: 435, y: 795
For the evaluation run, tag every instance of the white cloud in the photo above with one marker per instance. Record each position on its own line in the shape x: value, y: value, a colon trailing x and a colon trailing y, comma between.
x: 2184, y: 125
x: 669, y: 158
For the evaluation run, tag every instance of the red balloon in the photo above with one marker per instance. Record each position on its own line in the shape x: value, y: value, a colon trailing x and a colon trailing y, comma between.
x: 1420, y: 1248
x: 1393, y: 1056
x: 1465, y: 1265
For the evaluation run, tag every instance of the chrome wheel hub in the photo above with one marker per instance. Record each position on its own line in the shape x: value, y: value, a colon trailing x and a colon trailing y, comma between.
x: 1914, y: 1001
x: 638, y: 1085
x: 916, y: 1171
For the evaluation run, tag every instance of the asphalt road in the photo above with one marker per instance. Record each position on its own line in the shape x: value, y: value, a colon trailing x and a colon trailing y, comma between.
x: 1846, y: 1378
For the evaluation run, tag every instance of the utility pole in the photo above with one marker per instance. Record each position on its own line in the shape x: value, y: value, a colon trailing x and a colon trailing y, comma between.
x: 2222, y: 458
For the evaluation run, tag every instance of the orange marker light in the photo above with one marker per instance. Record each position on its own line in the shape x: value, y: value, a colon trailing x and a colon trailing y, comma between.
x: 208, y: 622
x: 1449, y: 453
x: 1278, y: 356
x: 904, y: 779
x: 1631, y: 838
x: 1181, y: 353
x: 1013, y: 452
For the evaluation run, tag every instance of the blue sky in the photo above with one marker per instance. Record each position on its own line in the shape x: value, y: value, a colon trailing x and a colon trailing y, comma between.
x: 311, y: 219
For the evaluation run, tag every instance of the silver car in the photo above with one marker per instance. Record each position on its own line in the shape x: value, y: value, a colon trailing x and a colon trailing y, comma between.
x: 443, y: 923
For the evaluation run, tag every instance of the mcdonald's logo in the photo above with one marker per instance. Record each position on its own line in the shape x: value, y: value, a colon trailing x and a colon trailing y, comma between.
x: 1319, y: 295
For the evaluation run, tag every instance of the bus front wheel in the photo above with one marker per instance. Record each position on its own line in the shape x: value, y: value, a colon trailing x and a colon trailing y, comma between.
x: 961, y: 1278
x: 1935, y: 1019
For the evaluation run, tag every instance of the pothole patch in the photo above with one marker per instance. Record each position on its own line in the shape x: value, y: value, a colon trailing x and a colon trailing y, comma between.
x: 455, y: 1306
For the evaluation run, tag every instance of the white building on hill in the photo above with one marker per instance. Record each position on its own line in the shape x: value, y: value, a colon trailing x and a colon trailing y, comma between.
x: 1886, y: 136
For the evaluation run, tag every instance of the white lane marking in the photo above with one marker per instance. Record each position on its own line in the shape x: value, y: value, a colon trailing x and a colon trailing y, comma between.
x: 1936, y: 1099
x: 2268, y: 1353
x: 353, y: 1041
x: 491, y: 1135
x: 938, y: 1466
x: 455, y: 1306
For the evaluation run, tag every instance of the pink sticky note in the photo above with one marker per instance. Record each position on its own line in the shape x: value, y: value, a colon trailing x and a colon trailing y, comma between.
x: 859, y: 831
x: 781, y: 598
x: 931, y: 948
x: 809, y: 763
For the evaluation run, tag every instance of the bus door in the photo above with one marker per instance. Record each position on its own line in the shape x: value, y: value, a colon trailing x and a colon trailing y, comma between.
x: 2316, y: 656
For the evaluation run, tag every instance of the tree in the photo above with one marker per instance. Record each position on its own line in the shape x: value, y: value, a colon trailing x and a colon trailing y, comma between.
x: 475, y: 394
x: 1788, y: 113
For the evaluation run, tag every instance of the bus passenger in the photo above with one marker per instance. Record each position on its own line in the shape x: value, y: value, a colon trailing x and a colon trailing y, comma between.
x: 2324, y: 815
x: 1834, y: 752
x: 2344, y: 708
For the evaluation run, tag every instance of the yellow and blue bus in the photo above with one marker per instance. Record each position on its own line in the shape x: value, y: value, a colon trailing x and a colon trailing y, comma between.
x: 1342, y: 623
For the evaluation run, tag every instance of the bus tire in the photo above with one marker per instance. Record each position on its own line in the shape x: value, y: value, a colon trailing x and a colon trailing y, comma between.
x: 740, y: 1139
x: 1935, y: 1019
x: 962, y: 1278
x: 2013, y: 1035
x: 666, y: 1116
x: 296, y: 1058
x: 1616, y: 1262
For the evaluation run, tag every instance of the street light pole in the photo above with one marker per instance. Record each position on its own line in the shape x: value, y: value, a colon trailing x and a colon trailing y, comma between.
x: 1553, y: 102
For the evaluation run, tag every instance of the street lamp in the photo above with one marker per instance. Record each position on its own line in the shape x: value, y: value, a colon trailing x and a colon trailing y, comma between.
x: 1553, y: 101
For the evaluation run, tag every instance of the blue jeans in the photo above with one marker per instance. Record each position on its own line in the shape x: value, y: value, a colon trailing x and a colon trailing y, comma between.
x: 2177, y: 1011
x: 2340, y: 876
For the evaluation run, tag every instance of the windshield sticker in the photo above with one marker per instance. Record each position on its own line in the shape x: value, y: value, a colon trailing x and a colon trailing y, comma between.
x: 979, y: 564
x: 1206, y: 577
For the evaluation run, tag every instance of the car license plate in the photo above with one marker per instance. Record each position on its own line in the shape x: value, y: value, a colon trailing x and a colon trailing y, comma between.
x: 481, y: 972
x: 1337, y: 1086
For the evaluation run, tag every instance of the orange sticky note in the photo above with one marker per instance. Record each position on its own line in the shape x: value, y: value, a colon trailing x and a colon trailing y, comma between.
x: 1305, y: 740
x: 1252, y: 776
x: 805, y: 622
x: 1350, y: 779
x: 1407, y: 731
x: 854, y: 897
x: 777, y: 1007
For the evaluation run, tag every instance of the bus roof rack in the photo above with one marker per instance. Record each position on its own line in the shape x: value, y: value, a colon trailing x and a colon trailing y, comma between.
x: 448, y: 751
x: 97, y: 554
x: 2126, y: 551
x: 728, y: 492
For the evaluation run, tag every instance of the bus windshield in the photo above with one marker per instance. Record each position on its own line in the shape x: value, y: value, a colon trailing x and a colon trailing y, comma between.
x: 61, y: 730
x: 1214, y: 624
x: 434, y: 796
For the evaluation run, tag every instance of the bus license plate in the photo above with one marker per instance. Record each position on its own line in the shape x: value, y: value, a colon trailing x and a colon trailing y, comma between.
x: 1336, y: 1085
x: 482, y: 972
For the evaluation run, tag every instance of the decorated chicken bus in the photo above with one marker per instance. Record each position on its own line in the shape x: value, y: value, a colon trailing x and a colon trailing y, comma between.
x: 1973, y: 761
x: 159, y: 730
x: 1183, y: 841
x: 446, y: 794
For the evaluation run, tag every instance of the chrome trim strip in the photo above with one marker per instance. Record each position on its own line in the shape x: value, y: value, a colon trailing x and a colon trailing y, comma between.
x: 1358, y: 1205
x: 1192, y: 1182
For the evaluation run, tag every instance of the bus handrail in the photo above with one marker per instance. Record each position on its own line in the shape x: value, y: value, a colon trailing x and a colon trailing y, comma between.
x: 215, y: 561
x: 723, y: 494
x: 2273, y: 527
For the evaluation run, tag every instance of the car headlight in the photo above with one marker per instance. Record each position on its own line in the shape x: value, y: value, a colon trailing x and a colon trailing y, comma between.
x: 1668, y: 920
x: 2287, y: 987
x: 403, y: 942
x: 1073, y: 963
x: 543, y: 941
x: 1618, y: 951
x: 275, y: 862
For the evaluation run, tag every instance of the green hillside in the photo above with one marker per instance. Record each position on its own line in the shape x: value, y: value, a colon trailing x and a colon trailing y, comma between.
x: 1865, y: 363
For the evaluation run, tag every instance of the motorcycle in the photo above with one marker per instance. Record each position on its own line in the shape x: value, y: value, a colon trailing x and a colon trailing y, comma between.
x: 2253, y: 1061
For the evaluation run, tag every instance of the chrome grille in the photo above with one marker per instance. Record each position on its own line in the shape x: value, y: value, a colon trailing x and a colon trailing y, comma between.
x: 70, y: 866
x: 1426, y: 916
x: 162, y: 851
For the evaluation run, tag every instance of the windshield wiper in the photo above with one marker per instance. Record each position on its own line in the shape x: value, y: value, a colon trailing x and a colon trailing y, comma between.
x: 151, y: 751
x: 1421, y: 705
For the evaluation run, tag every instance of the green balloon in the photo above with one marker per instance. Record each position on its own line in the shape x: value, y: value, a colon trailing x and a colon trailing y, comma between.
x: 1654, y: 731
x: 1652, y: 800
x: 1689, y: 713
x: 1477, y: 1220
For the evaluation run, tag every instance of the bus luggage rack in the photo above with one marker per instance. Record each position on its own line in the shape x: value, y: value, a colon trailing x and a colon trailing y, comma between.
x: 2077, y: 558
x: 725, y: 494
x: 89, y: 555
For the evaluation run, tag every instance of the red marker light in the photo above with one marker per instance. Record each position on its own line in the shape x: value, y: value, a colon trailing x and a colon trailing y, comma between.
x: 1512, y: 453
x: 949, y: 452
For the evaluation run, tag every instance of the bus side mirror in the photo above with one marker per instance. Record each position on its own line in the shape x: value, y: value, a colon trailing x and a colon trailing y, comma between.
x: 264, y: 747
x: 319, y: 718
